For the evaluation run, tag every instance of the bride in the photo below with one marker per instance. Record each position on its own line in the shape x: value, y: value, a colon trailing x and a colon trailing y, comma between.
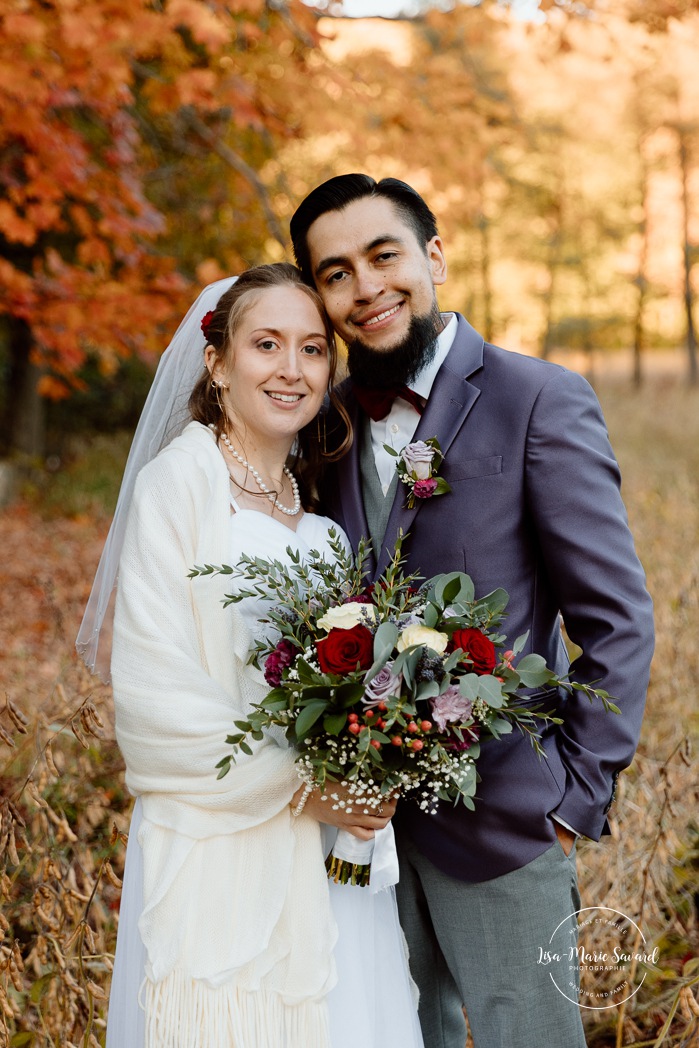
x: 230, y: 935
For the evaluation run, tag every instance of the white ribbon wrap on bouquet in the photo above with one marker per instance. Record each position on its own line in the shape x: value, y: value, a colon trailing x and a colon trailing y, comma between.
x: 380, y: 852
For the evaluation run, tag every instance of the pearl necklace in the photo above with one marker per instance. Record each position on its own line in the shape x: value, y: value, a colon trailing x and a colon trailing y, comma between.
x: 262, y: 486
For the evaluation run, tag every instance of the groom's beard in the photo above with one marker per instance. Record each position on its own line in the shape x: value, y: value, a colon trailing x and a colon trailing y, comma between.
x: 401, y: 364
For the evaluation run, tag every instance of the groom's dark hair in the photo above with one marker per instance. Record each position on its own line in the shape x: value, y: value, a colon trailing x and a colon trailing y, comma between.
x: 338, y: 192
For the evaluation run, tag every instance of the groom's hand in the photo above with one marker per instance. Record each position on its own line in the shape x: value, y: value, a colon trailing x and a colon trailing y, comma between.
x: 332, y: 808
x: 565, y: 836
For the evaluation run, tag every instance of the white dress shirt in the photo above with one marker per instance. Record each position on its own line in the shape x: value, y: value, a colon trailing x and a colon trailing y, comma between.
x: 398, y: 428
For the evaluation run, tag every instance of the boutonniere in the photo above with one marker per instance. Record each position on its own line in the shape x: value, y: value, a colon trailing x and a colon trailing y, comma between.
x: 418, y: 465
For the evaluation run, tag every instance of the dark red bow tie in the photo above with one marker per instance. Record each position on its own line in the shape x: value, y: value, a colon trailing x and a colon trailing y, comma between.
x: 378, y: 402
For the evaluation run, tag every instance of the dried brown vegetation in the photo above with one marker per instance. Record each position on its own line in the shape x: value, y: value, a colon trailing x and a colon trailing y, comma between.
x: 64, y: 808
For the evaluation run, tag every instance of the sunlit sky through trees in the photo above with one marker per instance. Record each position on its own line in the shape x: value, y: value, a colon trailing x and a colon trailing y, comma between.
x: 524, y: 9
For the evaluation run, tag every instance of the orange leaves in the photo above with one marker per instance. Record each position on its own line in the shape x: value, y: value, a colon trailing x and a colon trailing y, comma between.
x: 207, y: 28
x: 52, y: 388
x: 23, y: 27
x: 15, y: 228
x: 82, y: 29
x: 99, y: 98
x: 94, y: 253
x: 197, y: 87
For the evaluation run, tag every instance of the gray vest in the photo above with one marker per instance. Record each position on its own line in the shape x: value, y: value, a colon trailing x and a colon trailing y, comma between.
x: 377, y: 506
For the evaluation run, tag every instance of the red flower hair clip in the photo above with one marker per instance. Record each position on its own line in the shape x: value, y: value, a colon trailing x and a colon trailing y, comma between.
x: 206, y: 323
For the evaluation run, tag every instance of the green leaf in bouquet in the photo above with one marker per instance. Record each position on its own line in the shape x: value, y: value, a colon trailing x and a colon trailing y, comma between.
x: 275, y: 705
x: 428, y: 689
x: 443, y: 488
x: 224, y: 765
x: 307, y: 675
x: 245, y: 748
x: 447, y: 588
x: 474, y: 751
x: 499, y: 726
x: 495, y: 602
x: 519, y: 643
x: 406, y: 663
x: 511, y: 682
x: 379, y: 736
x: 316, y: 691
x: 259, y: 719
x: 468, y: 686
x: 391, y: 451
x: 490, y: 690
x: 533, y: 671
x: 333, y: 723
x: 308, y: 716
x: 347, y: 694
x: 273, y: 696
x: 450, y: 663
x: 384, y: 642
x: 431, y: 616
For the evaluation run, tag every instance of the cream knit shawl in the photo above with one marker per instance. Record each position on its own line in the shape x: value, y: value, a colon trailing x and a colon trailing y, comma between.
x: 236, y: 917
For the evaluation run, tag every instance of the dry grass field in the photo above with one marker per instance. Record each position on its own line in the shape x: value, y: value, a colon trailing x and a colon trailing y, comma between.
x: 64, y: 807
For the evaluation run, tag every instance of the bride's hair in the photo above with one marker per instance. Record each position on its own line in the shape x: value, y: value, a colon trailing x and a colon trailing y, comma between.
x: 310, y: 453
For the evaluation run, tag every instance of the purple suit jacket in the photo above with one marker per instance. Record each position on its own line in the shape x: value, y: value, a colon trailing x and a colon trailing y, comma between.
x: 535, y: 507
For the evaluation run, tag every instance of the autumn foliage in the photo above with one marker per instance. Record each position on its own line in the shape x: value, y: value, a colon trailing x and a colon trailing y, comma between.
x: 149, y: 147
x: 75, y: 264
x: 92, y: 95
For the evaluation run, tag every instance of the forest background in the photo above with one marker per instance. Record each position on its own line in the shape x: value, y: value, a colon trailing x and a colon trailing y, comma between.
x: 147, y: 148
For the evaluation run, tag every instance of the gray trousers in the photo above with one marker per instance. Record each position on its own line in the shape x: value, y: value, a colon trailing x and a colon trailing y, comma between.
x: 477, y: 945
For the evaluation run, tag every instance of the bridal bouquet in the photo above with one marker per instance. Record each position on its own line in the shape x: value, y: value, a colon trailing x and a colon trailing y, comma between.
x: 387, y: 688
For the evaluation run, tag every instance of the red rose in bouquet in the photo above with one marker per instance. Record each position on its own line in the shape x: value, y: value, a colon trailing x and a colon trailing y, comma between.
x: 341, y: 650
x: 479, y: 648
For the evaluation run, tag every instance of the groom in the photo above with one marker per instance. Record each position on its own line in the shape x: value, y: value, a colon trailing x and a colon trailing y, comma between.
x: 534, y: 507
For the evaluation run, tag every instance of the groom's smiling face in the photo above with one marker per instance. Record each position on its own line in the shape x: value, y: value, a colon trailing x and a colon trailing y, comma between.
x: 374, y: 276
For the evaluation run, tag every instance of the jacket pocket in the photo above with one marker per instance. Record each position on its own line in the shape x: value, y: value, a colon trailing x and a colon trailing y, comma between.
x: 469, y: 469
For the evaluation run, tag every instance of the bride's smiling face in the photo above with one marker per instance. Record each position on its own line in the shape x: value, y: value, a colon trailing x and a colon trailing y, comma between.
x: 277, y: 367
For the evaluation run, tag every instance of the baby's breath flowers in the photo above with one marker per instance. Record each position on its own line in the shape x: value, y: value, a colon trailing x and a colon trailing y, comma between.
x: 389, y: 688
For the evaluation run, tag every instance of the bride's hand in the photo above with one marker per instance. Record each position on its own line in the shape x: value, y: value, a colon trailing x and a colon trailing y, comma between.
x: 328, y: 808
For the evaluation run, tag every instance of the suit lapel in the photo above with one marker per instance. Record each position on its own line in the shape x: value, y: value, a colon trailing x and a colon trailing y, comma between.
x: 351, y: 495
x: 450, y: 401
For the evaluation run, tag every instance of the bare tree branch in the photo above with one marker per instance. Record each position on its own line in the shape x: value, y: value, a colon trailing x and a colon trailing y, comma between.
x: 230, y: 157
x: 225, y: 153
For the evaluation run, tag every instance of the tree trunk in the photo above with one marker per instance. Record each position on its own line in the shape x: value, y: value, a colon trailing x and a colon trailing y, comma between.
x: 486, y: 282
x: 641, y: 279
x: 549, y: 296
x: 687, y: 255
x: 554, y: 260
x: 24, y: 415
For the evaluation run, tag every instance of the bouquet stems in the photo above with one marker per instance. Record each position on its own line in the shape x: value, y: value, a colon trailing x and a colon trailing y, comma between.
x: 344, y: 872
x: 349, y: 861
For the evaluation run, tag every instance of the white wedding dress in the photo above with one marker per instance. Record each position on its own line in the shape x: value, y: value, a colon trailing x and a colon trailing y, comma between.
x: 373, y: 1002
